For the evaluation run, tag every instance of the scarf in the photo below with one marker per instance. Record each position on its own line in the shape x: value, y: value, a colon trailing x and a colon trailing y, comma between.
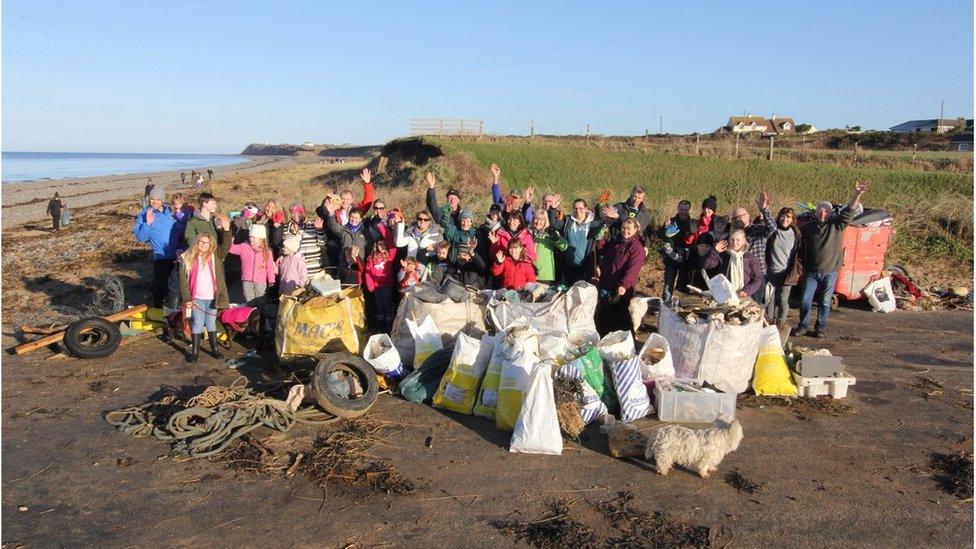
x: 736, y: 275
x: 354, y: 228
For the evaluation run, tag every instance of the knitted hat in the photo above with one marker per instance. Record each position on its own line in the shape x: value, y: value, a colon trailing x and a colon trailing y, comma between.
x: 706, y: 238
x: 157, y: 193
x: 454, y: 192
x: 495, y: 208
x: 465, y: 214
x: 250, y: 211
x: 293, y: 243
x: 258, y: 231
x: 711, y: 203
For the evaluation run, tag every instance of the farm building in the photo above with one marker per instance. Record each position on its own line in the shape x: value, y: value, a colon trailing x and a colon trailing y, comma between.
x: 961, y: 142
x: 935, y: 125
x: 757, y: 124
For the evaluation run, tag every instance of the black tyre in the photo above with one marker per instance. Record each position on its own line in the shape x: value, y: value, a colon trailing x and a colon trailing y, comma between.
x: 345, y: 385
x: 92, y: 338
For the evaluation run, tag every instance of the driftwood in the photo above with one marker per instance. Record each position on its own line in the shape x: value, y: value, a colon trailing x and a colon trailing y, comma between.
x: 56, y: 337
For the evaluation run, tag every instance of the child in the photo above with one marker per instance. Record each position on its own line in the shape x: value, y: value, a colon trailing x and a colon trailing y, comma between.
x: 292, y: 272
x: 258, y: 268
x: 515, y: 269
x: 438, y: 265
x: 409, y: 272
x: 549, y: 244
x: 353, y: 267
x: 470, y: 268
x: 379, y: 282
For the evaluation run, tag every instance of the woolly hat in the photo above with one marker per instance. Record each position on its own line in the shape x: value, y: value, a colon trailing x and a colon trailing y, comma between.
x: 250, y: 211
x: 258, y: 231
x: 465, y: 214
x: 454, y: 192
x: 711, y: 203
x: 706, y: 238
x: 158, y: 193
x: 495, y: 208
x: 293, y: 243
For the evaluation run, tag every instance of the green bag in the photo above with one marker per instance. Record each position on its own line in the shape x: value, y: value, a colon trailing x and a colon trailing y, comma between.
x: 591, y: 366
x: 422, y: 383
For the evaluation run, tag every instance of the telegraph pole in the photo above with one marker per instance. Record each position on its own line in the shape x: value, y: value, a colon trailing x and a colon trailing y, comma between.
x: 938, y: 129
x: 661, y: 125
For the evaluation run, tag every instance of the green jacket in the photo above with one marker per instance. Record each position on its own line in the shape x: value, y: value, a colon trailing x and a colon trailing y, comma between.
x: 547, y: 245
x: 458, y: 237
x: 197, y: 225
x: 222, y: 302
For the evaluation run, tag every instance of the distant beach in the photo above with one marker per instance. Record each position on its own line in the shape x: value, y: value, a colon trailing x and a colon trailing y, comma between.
x: 27, y: 201
x: 37, y: 166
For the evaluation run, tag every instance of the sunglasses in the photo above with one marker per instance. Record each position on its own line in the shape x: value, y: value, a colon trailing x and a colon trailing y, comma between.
x: 423, y: 219
x: 379, y: 208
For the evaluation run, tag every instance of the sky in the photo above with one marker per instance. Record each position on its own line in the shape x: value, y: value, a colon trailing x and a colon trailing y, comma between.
x: 213, y: 76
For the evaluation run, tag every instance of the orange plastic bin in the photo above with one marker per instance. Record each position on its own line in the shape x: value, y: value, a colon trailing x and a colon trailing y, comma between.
x: 864, y: 259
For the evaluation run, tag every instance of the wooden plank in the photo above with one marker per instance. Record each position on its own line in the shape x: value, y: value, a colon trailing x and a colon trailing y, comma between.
x: 54, y: 338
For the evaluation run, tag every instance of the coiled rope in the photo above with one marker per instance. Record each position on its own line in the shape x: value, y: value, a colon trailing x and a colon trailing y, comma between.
x: 208, y: 423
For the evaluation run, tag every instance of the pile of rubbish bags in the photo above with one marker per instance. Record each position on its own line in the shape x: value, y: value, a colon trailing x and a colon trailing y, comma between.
x: 512, y: 357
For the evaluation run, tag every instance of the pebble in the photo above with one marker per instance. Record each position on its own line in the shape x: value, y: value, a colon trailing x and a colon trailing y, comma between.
x: 22, y: 508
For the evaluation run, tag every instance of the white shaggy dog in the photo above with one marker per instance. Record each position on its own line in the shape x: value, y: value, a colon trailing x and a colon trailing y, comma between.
x: 700, y: 450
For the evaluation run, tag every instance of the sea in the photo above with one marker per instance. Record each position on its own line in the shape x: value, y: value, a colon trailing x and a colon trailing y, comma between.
x: 33, y: 166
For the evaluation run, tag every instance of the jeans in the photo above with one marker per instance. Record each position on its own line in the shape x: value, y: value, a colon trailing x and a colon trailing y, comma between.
x: 204, y: 315
x: 162, y: 269
x: 383, y: 305
x: 778, y: 308
x: 671, y: 272
x: 821, y: 285
x: 760, y: 295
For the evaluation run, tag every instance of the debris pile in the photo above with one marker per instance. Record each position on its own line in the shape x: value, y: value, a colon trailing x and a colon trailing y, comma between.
x: 955, y: 473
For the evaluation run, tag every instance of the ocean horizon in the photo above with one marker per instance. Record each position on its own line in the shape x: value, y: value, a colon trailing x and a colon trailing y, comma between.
x: 19, y: 166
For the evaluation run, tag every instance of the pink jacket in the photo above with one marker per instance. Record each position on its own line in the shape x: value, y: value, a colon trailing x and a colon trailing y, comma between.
x: 292, y: 272
x: 380, y: 271
x: 255, y: 268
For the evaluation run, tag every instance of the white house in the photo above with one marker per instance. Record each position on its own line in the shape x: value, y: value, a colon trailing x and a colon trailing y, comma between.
x: 747, y: 124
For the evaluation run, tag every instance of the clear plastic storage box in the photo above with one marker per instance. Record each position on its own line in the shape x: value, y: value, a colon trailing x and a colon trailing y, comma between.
x: 692, y: 407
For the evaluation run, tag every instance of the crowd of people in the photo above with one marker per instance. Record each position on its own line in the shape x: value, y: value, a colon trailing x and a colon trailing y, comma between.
x: 272, y: 250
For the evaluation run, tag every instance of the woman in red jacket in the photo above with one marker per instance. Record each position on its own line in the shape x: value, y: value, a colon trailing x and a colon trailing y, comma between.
x: 617, y: 277
x: 515, y: 269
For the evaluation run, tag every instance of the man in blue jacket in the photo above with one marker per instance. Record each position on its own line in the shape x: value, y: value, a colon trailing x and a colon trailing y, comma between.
x: 155, y: 226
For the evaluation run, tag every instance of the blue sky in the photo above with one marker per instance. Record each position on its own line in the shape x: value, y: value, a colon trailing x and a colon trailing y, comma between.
x: 213, y: 76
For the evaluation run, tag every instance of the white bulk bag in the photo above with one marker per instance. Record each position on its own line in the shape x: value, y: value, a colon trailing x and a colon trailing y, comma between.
x: 715, y: 352
x: 571, y: 311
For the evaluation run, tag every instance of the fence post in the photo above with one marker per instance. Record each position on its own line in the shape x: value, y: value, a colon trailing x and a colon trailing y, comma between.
x: 855, y: 152
x: 587, y: 132
x: 531, y: 129
x: 914, y: 151
x: 645, y: 140
x: 737, y: 144
x: 771, y: 138
x: 697, y: 144
x: 481, y: 129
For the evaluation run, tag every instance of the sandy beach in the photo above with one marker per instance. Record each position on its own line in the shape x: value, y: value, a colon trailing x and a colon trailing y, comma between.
x: 25, y: 202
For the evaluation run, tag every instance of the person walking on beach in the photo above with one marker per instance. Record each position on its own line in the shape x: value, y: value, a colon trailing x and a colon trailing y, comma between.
x: 182, y: 178
x: 54, y: 210
x: 210, y: 175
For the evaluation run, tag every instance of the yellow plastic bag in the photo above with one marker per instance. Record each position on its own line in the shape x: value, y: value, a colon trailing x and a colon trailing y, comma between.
x: 772, y: 375
x: 320, y: 325
x: 488, y: 393
x: 459, y: 386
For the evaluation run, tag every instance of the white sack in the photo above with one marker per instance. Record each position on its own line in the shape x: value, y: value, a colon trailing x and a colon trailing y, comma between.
x: 663, y: 368
x: 631, y: 391
x: 426, y: 340
x: 617, y: 346
x: 537, y: 428
x: 383, y: 357
x: 880, y: 295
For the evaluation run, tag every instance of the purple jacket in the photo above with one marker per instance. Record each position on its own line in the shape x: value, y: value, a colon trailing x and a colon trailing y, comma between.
x: 621, y: 264
x: 752, y: 276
